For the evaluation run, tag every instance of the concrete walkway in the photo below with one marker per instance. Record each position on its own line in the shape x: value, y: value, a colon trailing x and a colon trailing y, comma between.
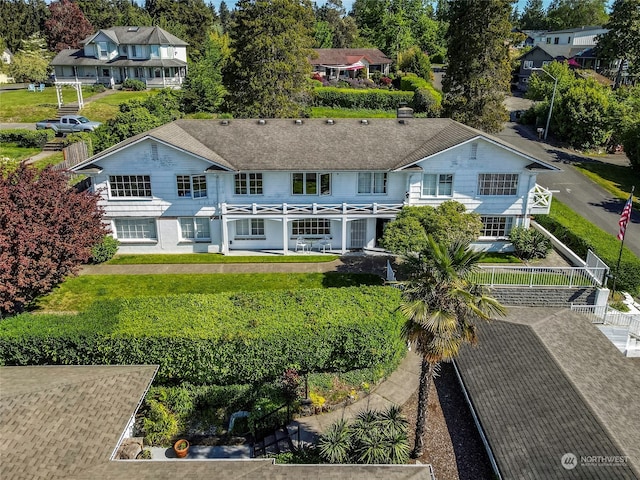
x: 395, y: 390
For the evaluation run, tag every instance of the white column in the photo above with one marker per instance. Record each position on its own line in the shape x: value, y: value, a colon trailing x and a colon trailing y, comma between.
x: 285, y: 237
x: 343, y: 248
x: 225, y: 236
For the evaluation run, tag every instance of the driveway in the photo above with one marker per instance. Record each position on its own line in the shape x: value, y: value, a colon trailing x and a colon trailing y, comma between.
x: 574, y: 189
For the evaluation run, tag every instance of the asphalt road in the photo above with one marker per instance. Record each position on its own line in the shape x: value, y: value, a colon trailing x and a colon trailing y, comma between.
x: 574, y: 189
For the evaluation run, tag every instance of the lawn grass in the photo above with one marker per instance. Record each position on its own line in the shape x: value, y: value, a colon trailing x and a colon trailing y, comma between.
x: 531, y: 278
x: 615, y: 179
x: 78, y: 293
x: 54, y: 159
x: 15, y: 153
x: 328, y: 112
x: 195, y: 258
x: 107, y: 107
x: 23, y: 106
x: 495, y: 257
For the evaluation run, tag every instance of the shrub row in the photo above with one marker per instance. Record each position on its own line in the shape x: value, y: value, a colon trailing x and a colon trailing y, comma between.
x: 426, y: 99
x: 218, y: 339
x: 581, y: 235
x: 26, y: 138
x: 376, y: 99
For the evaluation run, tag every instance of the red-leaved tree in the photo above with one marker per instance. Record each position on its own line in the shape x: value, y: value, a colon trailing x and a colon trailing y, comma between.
x: 67, y: 26
x: 47, y: 230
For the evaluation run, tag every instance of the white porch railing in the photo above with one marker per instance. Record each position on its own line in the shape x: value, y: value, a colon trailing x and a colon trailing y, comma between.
x: 605, y: 315
x: 164, y: 82
x: 541, y: 200
x: 311, y: 208
x: 561, y: 277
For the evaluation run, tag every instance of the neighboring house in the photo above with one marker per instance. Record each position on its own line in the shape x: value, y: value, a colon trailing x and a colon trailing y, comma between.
x: 222, y: 185
x: 576, y: 45
x: 6, y: 57
x: 110, y: 56
x: 333, y: 63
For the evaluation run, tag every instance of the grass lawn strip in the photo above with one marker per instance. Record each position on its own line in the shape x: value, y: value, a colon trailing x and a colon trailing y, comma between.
x: 107, y: 107
x: 200, y: 258
x: 615, y: 179
x: 77, y: 294
x: 23, y: 106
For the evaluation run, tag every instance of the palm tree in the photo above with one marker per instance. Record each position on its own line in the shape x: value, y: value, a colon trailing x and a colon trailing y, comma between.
x: 441, y: 305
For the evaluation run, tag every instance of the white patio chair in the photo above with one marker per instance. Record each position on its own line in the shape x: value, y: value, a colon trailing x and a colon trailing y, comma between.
x: 301, y: 244
x: 324, y: 244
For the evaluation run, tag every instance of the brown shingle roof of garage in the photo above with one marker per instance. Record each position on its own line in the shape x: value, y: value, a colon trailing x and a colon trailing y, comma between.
x: 546, y: 382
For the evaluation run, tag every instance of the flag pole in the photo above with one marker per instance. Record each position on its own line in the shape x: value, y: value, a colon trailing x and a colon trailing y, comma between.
x: 624, y: 234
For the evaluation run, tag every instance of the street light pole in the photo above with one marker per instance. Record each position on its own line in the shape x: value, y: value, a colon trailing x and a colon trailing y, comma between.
x: 553, y: 97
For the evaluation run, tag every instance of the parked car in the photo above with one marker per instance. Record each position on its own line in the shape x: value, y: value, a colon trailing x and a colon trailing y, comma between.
x: 69, y: 124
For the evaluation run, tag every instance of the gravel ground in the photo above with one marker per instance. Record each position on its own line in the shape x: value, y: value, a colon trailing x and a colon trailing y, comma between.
x: 452, y: 444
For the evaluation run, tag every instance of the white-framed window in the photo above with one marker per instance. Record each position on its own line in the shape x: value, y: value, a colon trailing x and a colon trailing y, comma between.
x: 195, y: 228
x: 248, y: 184
x: 192, y: 186
x: 372, y: 182
x: 498, y: 184
x: 545, y: 63
x: 103, y: 50
x: 496, y: 226
x: 250, y: 228
x: 527, y: 64
x: 311, y: 227
x: 135, y: 229
x: 311, y: 183
x: 130, y: 186
x: 155, y: 51
x: 437, y: 184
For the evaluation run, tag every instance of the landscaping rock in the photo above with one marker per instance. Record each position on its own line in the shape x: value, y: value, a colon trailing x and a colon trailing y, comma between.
x: 130, y: 449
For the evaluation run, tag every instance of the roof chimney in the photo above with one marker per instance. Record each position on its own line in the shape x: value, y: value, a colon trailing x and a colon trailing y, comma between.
x: 404, y: 112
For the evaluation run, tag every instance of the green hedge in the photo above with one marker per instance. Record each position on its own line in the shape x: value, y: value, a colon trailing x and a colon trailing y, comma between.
x: 377, y: 99
x: 218, y: 339
x: 26, y: 138
x: 581, y: 235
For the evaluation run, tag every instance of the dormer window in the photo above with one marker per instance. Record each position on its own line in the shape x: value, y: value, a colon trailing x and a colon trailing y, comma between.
x: 102, y: 50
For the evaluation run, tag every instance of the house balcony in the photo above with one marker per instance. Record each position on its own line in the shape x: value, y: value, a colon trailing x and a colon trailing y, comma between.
x: 324, y: 209
x: 540, y: 200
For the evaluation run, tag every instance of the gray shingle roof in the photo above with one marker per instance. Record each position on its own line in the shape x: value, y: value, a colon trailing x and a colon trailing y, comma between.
x: 129, y: 35
x: 77, y: 57
x: 347, y: 144
x: 546, y: 382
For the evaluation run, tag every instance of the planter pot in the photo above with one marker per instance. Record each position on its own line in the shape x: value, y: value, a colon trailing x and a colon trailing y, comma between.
x: 181, y: 447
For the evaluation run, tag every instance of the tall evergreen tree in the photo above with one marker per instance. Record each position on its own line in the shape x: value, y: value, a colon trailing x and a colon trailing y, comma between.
x: 271, y: 42
x: 533, y: 16
x: 479, y: 71
x: 576, y: 13
x: 622, y: 41
x: 225, y: 16
x: 20, y: 19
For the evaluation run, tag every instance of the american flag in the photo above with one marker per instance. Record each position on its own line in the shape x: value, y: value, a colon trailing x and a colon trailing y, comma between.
x: 624, y: 217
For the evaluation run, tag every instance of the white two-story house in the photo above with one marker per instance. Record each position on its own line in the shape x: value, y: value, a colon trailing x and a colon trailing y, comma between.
x: 224, y: 185
x: 110, y: 56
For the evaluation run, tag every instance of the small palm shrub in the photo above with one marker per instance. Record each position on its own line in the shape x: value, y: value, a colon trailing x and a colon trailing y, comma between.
x: 529, y: 243
x: 372, y: 438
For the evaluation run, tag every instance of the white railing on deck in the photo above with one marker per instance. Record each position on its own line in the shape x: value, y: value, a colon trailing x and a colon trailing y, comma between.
x: 311, y: 208
x: 561, y: 277
x: 541, y: 198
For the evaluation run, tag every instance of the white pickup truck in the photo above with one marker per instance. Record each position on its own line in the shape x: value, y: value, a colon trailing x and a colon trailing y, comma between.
x: 69, y: 124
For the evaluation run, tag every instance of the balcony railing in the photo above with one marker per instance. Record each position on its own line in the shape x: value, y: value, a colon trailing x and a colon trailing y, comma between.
x: 560, y: 277
x: 312, y: 209
x: 541, y: 200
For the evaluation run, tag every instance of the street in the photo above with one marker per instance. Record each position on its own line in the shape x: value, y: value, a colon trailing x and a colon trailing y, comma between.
x: 574, y: 189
